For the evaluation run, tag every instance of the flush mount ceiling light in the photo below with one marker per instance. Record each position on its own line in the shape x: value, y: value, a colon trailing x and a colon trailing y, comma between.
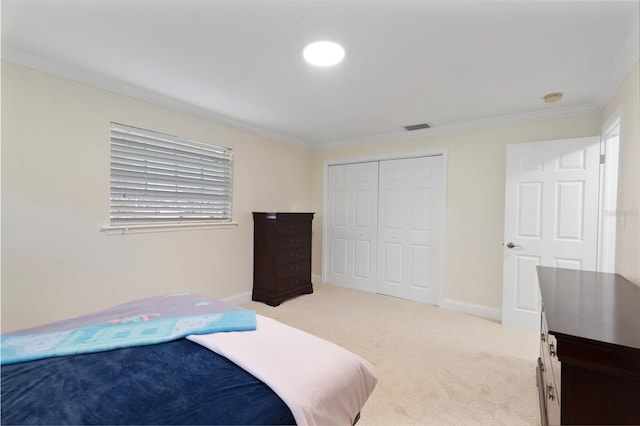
x: 323, y: 53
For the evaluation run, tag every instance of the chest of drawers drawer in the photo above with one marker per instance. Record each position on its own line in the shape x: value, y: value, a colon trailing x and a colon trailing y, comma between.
x: 286, y: 242
x: 550, y: 373
x: 291, y: 269
x: 294, y: 255
x: 296, y: 227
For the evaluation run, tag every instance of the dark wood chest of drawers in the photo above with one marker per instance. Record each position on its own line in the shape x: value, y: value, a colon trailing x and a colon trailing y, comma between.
x: 281, y: 256
x: 589, y: 366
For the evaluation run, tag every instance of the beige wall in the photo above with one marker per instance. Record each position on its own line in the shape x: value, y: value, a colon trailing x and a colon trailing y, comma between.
x: 55, y: 197
x: 475, y: 192
x: 627, y: 99
x: 475, y: 198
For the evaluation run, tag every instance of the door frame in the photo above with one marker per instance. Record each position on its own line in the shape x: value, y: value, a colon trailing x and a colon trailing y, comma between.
x: 443, y: 152
x: 608, y: 198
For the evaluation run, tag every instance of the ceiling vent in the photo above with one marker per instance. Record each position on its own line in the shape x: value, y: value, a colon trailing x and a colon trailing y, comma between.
x: 418, y: 126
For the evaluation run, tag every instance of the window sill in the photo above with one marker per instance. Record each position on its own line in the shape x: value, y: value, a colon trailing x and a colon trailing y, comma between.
x: 164, y: 227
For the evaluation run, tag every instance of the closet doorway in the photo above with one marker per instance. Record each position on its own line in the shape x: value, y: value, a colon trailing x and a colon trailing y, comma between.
x: 384, y: 223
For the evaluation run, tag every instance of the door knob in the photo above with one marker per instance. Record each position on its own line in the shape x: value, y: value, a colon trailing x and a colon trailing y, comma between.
x: 511, y: 245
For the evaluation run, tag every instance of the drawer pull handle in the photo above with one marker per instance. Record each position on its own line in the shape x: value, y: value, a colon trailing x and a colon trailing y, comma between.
x: 550, y: 392
x: 543, y: 337
x: 552, y: 349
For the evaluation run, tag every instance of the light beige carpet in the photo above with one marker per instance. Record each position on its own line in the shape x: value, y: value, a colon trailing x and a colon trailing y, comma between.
x: 435, y: 367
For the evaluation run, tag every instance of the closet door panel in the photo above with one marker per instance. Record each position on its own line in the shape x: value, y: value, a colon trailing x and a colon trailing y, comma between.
x: 410, y: 211
x: 340, y: 257
x: 352, y: 199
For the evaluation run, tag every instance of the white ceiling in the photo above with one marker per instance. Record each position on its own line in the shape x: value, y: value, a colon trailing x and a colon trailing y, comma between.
x: 453, y: 64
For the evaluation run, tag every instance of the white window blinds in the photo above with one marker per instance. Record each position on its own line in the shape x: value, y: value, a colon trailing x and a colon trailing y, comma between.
x: 158, y: 178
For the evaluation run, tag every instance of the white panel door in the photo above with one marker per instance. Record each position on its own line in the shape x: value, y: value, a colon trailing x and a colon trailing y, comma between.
x: 410, y: 228
x: 352, y: 215
x: 551, y: 219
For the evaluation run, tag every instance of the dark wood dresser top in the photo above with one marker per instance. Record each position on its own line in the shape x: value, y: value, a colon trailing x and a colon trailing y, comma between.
x: 591, y: 305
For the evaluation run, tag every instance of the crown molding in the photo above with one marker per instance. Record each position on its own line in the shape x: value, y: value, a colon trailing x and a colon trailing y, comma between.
x: 466, y: 126
x: 141, y: 94
x: 626, y: 59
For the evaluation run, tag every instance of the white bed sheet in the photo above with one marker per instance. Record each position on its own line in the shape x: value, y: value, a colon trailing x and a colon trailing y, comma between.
x: 321, y: 383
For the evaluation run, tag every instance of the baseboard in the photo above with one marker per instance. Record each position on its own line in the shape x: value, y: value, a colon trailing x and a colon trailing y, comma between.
x: 471, y: 309
x: 450, y: 304
x: 238, y: 299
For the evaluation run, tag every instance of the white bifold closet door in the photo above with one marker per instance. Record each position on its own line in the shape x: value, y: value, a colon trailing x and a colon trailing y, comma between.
x: 384, y: 229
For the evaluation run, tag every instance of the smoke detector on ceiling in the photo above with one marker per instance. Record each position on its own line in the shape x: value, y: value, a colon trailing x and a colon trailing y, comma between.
x: 553, y: 97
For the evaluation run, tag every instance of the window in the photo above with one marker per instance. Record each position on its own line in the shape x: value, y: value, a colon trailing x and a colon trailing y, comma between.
x: 161, y: 179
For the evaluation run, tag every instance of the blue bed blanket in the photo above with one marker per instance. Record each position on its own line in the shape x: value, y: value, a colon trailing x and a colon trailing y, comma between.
x: 137, y: 323
x: 172, y: 383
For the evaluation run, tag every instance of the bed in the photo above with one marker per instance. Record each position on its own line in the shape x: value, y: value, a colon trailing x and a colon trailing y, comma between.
x: 178, y: 359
